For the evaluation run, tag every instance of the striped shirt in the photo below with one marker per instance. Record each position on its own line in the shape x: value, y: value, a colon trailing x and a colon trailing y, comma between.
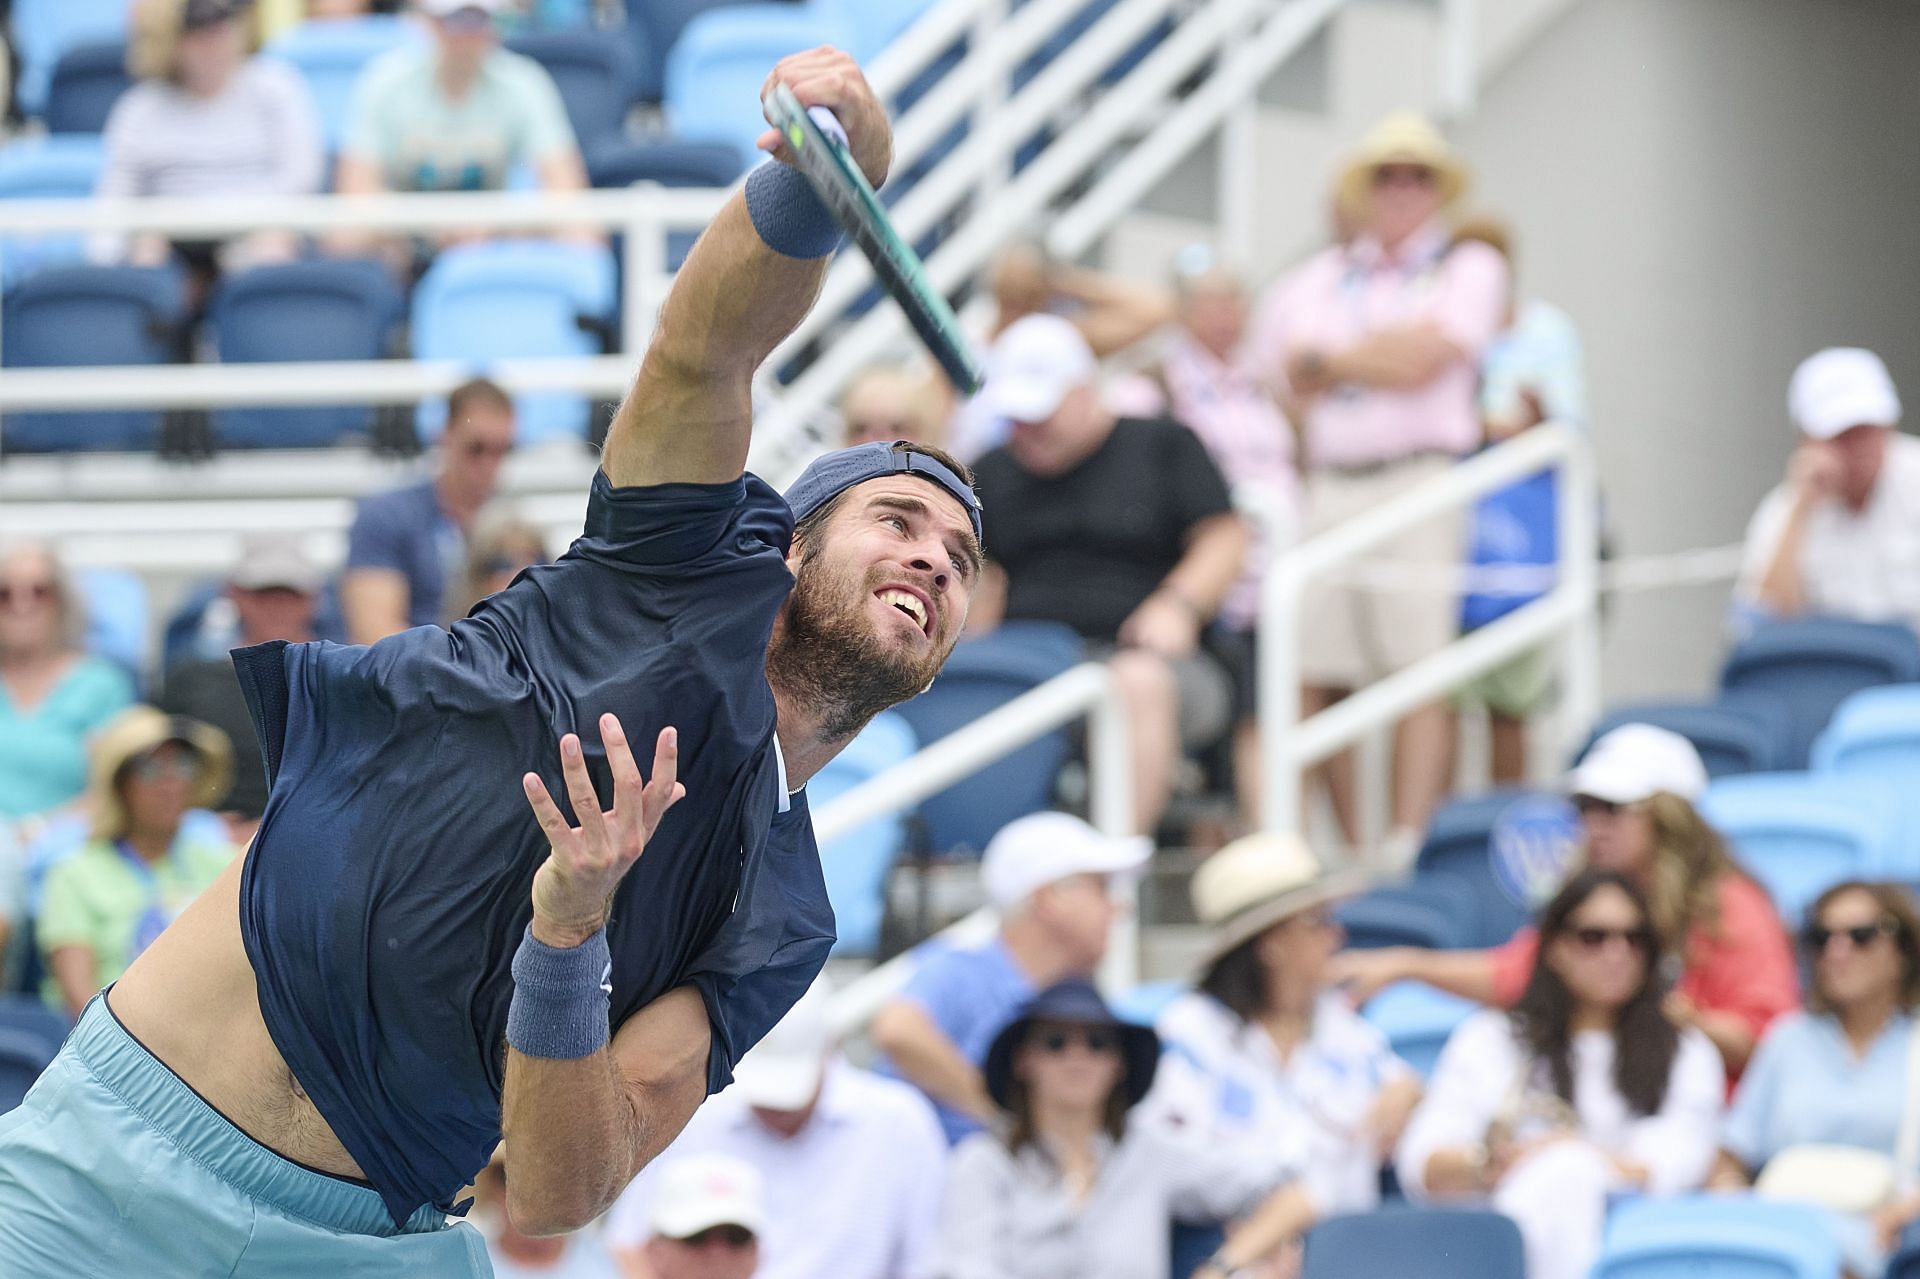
x: 257, y: 137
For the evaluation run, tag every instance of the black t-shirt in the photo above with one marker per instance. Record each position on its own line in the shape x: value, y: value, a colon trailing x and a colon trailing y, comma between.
x: 210, y: 692
x: 1085, y: 548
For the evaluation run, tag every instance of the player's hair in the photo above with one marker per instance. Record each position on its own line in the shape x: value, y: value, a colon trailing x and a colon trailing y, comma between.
x: 476, y: 391
x: 807, y: 529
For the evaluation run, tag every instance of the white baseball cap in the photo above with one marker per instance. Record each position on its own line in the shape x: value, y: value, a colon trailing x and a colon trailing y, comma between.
x: 1839, y: 388
x: 1034, y: 365
x: 1634, y: 762
x: 447, y: 8
x: 783, y: 1071
x: 698, y: 1192
x: 1045, y: 848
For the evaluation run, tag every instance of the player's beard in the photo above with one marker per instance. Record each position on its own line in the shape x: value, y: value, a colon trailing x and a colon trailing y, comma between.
x: 826, y: 656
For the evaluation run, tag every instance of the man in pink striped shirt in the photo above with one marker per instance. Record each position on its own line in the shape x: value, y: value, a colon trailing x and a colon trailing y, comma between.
x: 1373, y: 345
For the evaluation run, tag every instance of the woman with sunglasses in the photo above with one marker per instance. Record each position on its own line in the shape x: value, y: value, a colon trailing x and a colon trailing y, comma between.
x: 1582, y: 1090
x: 52, y: 695
x: 1073, y: 1186
x: 1842, y: 1072
x: 1636, y: 790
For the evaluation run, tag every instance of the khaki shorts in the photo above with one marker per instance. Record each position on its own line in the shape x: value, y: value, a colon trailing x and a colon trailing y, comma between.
x: 1517, y: 689
x: 1353, y: 633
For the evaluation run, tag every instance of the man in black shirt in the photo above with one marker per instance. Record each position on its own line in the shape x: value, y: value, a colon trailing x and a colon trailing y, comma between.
x: 1121, y: 528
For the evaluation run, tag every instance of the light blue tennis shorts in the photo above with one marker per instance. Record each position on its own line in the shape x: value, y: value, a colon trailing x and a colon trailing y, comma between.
x: 114, y: 1167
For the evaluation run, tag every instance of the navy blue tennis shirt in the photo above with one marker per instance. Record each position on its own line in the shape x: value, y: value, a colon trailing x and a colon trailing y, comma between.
x: 391, y: 879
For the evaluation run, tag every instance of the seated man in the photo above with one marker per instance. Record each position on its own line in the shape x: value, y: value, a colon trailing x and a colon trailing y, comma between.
x: 705, y: 1221
x: 1842, y: 536
x: 1049, y: 876
x: 1121, y: 528
x: 854, y: 1166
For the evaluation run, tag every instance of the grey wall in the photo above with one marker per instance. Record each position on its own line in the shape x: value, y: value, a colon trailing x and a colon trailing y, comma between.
x: 1713, y: 189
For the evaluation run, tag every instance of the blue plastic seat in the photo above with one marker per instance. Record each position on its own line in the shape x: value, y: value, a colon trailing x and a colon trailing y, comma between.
x: 1143, y: 1004
x: 514, y: 299
x: 1905, y: 1263
x: 1417, y: 1021
x: 594, y: 75
x: 717, y: 67
x: 983, y: 674
x: 1814, y: 664
x: 42, y: 30
x: 1459, y: 847
x: 87, y: 81
x: 869, y: 27
x: 670, y: 163
x: 331, y: 54
x: 1433, y: 913
x: 1801, y: 833
x: 1877, y: 730
x: 64, y: 167
x: 30, y: 1036
x: 84, y: 315
x: 857, y: 863
x: 654, y: 27
x: 324, y: 309
x: 1740, y: 735
x: 117, y: 615
x: 1718, y: 1237
x: 1415, y: 1243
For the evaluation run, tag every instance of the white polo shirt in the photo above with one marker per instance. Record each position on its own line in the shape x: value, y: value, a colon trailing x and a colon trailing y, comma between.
x: 1863, y: 565
x: 855, y: 1194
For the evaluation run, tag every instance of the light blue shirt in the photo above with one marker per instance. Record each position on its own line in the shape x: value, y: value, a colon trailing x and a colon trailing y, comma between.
x: 970, y: 993
x: 1540, y: 353
x: 1805, y: 1085
x: 43, y: 749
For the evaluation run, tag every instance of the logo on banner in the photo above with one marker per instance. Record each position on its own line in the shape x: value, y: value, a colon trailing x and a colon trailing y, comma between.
x: 1532, y: 847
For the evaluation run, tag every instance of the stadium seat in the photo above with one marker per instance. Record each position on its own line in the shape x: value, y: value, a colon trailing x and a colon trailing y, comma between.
x: 83, y: 315
x: 30, y: 1036
x: 1799, y: 833
x: 87, y: 81
x: 1718, y: 1237
x: 66, y: 167
x: 1459, y: 847
x: 117, y: 615
x: 1417, y: 1019
x: 595, y: 77
x: 857, y: 863
x: 1905, y: 1263
x: 1415, y: 1243
x: 671, y: 164
x: 44, y: 29
x: 654, y: 27
x: 1814, y: 664
x: 983, y: 674
x: 716, y: 68
x: 324, y: 309
x: 1143, y: 1004
x: 1877, y: 730
x: 330, y: 56
x: 869, y: 27
x: 514, y: 299
x: 1433, y: 913
x: 1736, y: 735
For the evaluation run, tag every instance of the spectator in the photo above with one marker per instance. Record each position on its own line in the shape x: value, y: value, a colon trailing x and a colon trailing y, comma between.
x: 853, y: 1163
x: 1264, y: 1055
x: 1841, y: 1074
x: 52, y: 695
x: 274, y: 588
x: 515, y: 1255
x: 1077, y: 1187
x: 209, y: 120
x: 107, y: 902
x: 457, y: 114
x: 1049, y: 876
x: 13, y: 902
x: 1121, y: 528
x: 499, y: 549
x: 1842, y: 536
x: 404, y: 543
x: 1636, y: 790
x: 887, y: 402
x: 1532, y: 373
x: 1583, y: 1090
x: 1374, y: 347
x: 705, y: 1221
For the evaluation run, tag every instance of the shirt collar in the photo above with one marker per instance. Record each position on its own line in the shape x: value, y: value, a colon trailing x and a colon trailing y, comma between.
x: 1421, y: 249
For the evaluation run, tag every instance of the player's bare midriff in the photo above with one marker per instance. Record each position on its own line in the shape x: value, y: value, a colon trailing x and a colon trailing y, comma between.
x: 190, y: 998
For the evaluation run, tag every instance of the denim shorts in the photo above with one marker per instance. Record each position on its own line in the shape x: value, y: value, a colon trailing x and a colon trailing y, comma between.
x: 112, y: 1167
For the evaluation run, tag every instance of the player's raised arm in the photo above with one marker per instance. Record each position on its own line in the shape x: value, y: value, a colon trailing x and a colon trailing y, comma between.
x: 749, y: 281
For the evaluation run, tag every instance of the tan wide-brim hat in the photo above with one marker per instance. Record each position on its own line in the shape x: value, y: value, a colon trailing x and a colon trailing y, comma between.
x: 1401, y: 138
x: 1258, y: 881
x: 136, y: 731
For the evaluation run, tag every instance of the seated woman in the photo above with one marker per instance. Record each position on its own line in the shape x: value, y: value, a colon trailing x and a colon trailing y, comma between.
x: 1264, y: 1056
x: 1075, y: 1186
x: 52, y: 695
x: 1843, y: 1072
x: 104, y: 904
x: 1636, y: 791
x: 1584, y: 1089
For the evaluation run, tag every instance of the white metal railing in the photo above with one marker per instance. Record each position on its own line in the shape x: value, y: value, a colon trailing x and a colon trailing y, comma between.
x: 1566, y: 614
x: 1086, y: 692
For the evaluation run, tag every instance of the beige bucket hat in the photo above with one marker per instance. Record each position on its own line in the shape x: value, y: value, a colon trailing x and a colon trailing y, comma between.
x: 1402, y: 138
x: 1256, y: 882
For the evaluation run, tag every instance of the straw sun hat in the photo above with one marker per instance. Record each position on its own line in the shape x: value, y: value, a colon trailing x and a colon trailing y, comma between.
x: 1401, y: 138
x: 1258, y: 881
x: 132, y: 734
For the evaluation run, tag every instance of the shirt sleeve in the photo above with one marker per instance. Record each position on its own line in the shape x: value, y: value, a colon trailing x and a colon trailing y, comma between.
x: 1745, y: 1135
x: 64, y: 918
x: 939, y: 987
x: 370, y: 123
x: 1475, y: 1071
x: 1764, y: 531
x: 378, y: 538
x: 1199, y: 490
x: 1678, y: 1143
x: 1513, y: 966
x: 1563, y: 390
x: 656, y: 526
x: 120, y: 176
x: 1747, y: 968
x: 922, y: 1151
x: 973, y: 1214
x: 299, y: 154
x: 1208, y: 1181
x: 547, y: 130
x: 1471, y: 306
x: 1269, y: 337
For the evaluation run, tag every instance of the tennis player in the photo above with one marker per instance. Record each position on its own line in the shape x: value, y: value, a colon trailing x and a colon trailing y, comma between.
x: 446, y: 929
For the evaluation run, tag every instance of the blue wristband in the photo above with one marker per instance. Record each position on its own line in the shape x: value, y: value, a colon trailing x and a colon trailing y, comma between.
x: 789, y: 217
x: 560, y: 998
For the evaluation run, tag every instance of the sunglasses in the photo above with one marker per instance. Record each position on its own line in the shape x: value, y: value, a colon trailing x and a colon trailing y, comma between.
x: 1417, y: 175
x: 23, y: 593
x: 889, y: 430
x: 1641, y: 939
x: 1096, y: 1039
x: 729, y: 1236
x: 1859, y: 937
x: 155, y: 768
x: 480, y: 448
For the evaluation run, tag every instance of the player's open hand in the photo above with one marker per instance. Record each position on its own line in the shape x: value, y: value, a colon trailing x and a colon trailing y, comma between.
x: 585, y: 863
x: 826, y: 77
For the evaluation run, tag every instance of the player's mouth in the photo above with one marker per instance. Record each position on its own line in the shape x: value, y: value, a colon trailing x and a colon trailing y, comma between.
x: 911, y: 604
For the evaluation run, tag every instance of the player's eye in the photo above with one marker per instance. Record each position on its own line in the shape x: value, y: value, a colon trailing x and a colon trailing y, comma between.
x: 897, y: 521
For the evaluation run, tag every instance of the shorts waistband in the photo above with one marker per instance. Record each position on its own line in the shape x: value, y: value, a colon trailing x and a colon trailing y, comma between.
x: 143, y: 1082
